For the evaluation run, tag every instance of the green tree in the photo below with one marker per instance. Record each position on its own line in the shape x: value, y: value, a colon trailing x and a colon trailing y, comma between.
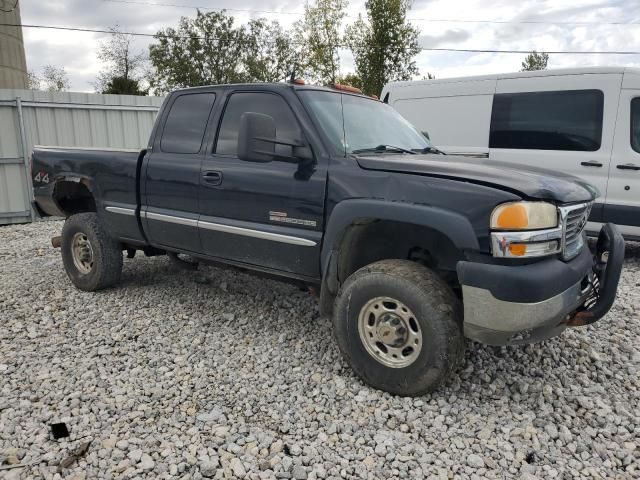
x: 33, y: 81
x: 384, y: 45
x: 124, y: 86
x: 350, y: 79
x: 123, y: 65
x: 54, y: 79
x: 535, y: 61
x: 268, y: 54
x: 204, y: 50
x: 317, y: 36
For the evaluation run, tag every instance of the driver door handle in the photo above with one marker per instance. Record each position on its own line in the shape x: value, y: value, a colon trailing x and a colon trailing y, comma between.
x: 212, y: 177
x: 591, y: 163
x: 628, y: 166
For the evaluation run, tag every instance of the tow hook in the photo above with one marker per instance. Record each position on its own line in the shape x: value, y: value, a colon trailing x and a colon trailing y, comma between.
x: 581, y: 318
x: 56, y: 242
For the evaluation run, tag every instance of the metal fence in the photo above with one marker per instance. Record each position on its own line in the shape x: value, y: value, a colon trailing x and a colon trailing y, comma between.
x: 63, y: 119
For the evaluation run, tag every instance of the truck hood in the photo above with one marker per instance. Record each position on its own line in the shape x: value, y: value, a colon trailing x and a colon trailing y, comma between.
x: 528, y: 182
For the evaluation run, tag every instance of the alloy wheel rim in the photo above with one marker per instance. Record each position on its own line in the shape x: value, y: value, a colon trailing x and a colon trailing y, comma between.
x: 390, y: 332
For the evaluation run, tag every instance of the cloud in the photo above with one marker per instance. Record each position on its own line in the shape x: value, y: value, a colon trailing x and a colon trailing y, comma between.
x: 77, y: 51
x: 450, y: 37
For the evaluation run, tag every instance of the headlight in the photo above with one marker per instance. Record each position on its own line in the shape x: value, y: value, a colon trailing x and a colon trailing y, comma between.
x: 524, y: 216
x: 525, y: 229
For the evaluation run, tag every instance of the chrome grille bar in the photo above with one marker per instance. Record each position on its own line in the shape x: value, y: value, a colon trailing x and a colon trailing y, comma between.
x: 574, y: 220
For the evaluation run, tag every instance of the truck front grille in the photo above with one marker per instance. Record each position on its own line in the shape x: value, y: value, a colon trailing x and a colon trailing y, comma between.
x: 574, y: 220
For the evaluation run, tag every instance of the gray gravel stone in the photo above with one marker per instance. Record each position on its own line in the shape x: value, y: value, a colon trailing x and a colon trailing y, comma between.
x: 475, y: 461
x: 237, y: 468
x: 207, y: 468
x: 299, y: 473
x: 175, y: 378
x: 146, y: 462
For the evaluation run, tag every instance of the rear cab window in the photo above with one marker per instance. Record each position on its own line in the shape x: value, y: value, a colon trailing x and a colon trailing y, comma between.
x: 555, y: 120
x: 186, y: 123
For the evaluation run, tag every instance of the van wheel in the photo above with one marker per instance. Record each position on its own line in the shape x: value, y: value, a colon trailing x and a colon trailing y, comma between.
x: 91, y: 258
x: 399, y: 326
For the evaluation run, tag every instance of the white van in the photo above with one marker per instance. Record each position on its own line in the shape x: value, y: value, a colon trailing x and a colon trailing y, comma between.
x: 585, y: 122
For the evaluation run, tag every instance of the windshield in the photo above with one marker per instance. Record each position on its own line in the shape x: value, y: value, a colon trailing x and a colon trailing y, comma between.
x: 358, y: 124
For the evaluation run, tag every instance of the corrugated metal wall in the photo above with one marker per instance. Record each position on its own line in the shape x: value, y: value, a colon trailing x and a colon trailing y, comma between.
x: 62, y: 119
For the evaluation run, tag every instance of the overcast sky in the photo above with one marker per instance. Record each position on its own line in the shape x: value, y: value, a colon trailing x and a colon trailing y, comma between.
x: 76, y: 51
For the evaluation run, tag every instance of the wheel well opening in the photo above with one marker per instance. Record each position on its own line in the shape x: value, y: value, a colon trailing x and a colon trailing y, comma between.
x: 73, y: 197
x: 368, y: 241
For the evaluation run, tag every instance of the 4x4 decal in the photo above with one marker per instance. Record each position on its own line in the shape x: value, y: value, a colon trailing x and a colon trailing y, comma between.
x: 41, y: 177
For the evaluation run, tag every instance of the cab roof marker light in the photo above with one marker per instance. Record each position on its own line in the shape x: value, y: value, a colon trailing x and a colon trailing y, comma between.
x: 345, y: 88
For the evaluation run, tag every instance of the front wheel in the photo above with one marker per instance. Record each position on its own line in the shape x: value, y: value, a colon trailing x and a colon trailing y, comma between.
x: 91, y: 258
x: 399, y: 326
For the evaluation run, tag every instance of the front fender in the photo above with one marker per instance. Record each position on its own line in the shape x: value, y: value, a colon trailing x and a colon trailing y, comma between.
x: 454, y: 226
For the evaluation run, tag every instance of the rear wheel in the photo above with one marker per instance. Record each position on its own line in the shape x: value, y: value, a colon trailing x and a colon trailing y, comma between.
x: 91, y: 258
x: 399, y: 326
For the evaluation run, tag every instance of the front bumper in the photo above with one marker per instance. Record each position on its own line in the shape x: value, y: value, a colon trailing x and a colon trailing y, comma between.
x: 506, y: 305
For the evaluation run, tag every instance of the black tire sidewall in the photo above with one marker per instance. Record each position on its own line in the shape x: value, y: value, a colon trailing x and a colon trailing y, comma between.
x: 101, y: 274
x: 439, y: 335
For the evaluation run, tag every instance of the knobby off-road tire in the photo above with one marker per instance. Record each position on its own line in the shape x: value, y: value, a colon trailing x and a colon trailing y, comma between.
x: 99, y: 263
x: 425, y: 305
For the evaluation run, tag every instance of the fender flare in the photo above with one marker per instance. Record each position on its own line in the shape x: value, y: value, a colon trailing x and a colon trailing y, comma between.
x: 453, y: 225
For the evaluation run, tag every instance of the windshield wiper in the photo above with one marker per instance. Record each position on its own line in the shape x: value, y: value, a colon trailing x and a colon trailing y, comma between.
x: 384, y: 148
x: 430, y: 149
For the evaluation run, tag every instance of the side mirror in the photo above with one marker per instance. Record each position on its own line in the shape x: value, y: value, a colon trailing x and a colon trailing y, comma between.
x: 254, y: 127
x: 257, y: 141
x: 425, y: 134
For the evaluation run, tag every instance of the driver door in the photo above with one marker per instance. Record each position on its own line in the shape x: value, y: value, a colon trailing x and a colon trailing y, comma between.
x: 261, y: 214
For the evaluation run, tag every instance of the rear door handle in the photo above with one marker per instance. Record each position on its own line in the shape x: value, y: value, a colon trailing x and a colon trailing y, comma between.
x: 628, y: 166
x: 212, y: 177
x: 591, y: 163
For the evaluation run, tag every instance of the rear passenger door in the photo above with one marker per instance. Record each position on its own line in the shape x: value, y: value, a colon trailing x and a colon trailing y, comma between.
x: 623, y: 195
x: 561, y: 123
x: 269, y: 215
x: 171, y: 173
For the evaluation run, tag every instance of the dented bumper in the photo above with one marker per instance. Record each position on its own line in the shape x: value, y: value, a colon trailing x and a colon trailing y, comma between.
x: 506, y: 305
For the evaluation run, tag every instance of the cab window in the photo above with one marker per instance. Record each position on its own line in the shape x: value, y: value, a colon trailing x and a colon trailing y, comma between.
x: 259, y: 102
x: 186, y: 123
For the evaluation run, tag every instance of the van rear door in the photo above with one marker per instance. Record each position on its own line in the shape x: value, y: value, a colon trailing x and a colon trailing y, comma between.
x: 562, y: 123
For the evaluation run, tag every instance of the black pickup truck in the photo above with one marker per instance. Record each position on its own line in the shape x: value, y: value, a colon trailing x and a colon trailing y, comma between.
x: 410, y: 250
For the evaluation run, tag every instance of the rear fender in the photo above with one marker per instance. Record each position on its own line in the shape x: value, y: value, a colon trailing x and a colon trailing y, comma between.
x: 72, y: 178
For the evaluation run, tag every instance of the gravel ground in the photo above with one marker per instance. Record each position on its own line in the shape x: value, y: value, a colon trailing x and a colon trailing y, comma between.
x: 224, y: 375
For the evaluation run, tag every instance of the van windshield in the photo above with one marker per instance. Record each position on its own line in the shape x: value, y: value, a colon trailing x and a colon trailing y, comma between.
x: 361, y: 125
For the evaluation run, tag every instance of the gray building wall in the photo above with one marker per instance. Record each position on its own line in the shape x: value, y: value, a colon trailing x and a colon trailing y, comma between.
x: 13, y: 64
x: 66, y: 119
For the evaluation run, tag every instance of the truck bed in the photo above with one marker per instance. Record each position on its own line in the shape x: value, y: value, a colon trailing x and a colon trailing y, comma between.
x: 110, y: 175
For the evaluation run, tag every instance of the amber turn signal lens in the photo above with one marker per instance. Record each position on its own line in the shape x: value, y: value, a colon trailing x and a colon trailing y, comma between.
x: 513, y: 216
x: 524, y: 216
x: 517, y: 249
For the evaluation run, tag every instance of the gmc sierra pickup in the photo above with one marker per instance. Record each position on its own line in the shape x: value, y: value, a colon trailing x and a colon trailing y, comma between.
x: 410, y: 250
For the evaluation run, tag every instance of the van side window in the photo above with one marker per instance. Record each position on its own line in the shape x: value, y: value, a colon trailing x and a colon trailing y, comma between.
x: 260, y: 102
x: 635, y: 124
x: 562, y: 120
x: 186, y: 123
